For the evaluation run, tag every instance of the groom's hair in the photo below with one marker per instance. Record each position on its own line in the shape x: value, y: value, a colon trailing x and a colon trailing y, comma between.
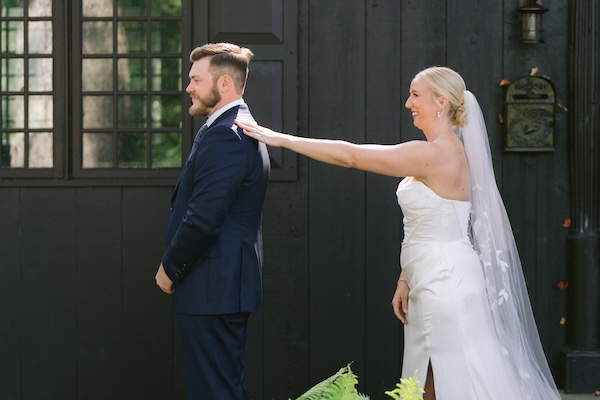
x: 226, y: 59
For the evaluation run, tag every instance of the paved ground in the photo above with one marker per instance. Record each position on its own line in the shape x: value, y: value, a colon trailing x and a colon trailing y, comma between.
x: 578, y: 396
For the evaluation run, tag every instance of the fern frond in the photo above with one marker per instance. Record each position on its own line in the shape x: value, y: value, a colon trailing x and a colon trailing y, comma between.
x: 322, y: 389
x: 407, y: 389
x: 340, y: 386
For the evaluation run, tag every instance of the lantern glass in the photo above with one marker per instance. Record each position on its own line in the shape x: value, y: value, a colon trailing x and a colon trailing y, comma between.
x: 532, y: 28
x: 531, y: 15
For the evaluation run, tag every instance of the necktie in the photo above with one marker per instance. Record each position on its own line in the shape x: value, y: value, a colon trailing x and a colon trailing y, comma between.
x: 200, y: 132
x: 197, y: 139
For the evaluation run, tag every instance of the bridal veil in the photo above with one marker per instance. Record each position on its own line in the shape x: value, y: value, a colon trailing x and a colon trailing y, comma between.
x: 493, y: 240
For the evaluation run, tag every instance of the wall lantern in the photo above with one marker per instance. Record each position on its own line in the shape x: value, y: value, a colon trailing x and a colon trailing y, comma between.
x: 532, y: 22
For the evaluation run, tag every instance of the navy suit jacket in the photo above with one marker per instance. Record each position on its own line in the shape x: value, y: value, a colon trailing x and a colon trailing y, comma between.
x: 214, y: 240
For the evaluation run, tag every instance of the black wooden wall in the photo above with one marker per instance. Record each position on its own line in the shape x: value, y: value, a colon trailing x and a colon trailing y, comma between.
x: 80, y: 317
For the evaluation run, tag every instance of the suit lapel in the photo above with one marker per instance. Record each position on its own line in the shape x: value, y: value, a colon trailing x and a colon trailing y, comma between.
x: 242, y: 111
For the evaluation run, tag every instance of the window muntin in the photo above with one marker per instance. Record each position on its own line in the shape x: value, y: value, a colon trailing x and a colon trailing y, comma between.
x: 131, y: 86
x: 27, y: 123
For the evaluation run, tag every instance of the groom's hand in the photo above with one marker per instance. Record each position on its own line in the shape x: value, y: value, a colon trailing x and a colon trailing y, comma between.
x: 163, y: 281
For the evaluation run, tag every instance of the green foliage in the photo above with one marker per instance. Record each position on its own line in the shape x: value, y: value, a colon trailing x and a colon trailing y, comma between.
x: 407, y: 389
x: 340, y: 386
x: 166, y: 7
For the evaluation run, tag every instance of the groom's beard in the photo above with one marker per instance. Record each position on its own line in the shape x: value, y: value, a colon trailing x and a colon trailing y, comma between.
x: 206, y: 104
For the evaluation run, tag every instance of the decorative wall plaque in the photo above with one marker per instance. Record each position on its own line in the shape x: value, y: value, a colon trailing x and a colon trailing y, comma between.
x: 530, y: 104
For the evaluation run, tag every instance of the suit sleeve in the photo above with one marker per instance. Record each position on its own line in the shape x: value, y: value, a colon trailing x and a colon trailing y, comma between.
x: 219, y: 170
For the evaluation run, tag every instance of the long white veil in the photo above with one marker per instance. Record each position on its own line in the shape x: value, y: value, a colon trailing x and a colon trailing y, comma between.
x: 493, y: 239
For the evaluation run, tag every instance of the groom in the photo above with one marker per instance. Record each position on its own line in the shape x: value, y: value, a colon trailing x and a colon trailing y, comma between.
x: 212, y: 264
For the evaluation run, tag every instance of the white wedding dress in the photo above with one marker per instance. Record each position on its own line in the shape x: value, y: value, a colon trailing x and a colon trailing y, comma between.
x: 469, y: 313
x: 449, y: 317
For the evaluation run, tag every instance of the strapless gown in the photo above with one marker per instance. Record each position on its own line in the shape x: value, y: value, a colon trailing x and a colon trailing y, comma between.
x: 449, y: 318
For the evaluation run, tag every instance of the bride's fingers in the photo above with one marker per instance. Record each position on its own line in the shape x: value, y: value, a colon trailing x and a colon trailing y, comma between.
x: 401, y: 316
x: 247, y: 129
x: 404, y: 303
x: 246, y: 125
x: 399, y: 311
x: 252, y: 132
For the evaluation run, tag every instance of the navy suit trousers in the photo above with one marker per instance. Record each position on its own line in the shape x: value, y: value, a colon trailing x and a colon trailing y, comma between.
x: 212, y: 349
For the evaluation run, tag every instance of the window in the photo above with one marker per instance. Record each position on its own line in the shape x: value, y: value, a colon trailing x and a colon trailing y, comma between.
x: 110, y: 104
x: 129, y: 100
x: 28, y: 137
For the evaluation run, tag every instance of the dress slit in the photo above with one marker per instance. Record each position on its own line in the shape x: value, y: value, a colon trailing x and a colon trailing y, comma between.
x: 428, y: 386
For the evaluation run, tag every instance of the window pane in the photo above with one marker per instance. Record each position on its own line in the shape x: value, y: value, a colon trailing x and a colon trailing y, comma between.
x: 13, y: 79
x: 97, y: 74
x: 98, y: 150
x: 166, y: 37
x: 132, y: 150
x: 13, y: 112
x: 132, y: 8
x: 40, y: 37
x: 97, y: 37
x: 97, y: 8
x: 132, y: 74
x: 40, y: 8
x: 97, y: 112
x: 40, y: 150
x: 12, y: 150
x: 166, y: 111
x: 12, y: 8
x: 12, y: 37
x: 40, y: 112
x: 40, y: 74
x: 166, y: 7
x: 134, y: 39
x: 166, y: 150
x: 132, y: 112
x: 166, y: 73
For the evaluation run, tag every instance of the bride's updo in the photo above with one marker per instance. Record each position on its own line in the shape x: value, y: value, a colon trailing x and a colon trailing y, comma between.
x: 445, y: 82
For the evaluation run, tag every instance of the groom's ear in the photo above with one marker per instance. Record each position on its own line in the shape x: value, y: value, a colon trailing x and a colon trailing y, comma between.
x: 225, y: 83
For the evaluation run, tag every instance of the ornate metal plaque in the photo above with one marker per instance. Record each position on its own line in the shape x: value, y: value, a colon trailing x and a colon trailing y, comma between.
x: 530, y: 104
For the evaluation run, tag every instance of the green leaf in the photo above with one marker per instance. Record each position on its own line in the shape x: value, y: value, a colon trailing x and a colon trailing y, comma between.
x: 407, y: 389
x: 340, y: 386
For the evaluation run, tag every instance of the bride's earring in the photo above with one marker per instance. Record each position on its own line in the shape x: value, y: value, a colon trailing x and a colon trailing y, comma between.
x: 439, y: 113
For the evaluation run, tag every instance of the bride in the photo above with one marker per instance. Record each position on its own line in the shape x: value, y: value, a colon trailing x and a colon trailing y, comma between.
x: 468, y: 325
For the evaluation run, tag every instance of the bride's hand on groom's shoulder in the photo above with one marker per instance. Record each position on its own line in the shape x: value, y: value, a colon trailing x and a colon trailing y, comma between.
x: 260, y: 133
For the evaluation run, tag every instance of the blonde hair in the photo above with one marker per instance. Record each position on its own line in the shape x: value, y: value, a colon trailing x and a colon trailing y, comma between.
x: 445, y: 82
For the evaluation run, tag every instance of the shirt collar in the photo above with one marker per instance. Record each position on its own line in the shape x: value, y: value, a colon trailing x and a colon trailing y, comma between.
x: 221, y: 110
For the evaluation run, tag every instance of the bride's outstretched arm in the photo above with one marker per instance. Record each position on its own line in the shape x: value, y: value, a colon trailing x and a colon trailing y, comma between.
x: 336, y: 152
x: 406, y: 159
